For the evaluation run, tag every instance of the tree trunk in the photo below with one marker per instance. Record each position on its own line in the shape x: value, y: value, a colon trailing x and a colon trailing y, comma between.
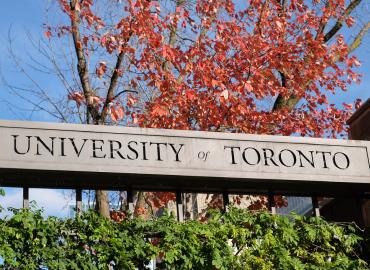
x: 140, y: 204
x: 102, y: 203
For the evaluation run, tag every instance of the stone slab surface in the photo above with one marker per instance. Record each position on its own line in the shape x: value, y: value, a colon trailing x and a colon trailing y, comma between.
x: 136, y: 151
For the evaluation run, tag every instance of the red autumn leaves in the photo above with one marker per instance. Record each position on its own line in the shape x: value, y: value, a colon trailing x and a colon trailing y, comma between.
x: 115, y: 109
x: 156, y: 200
x: 219, y: 66
x: 101, y: 69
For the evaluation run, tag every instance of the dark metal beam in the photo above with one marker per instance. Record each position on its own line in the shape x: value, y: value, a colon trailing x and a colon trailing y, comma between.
x: 26, y: 198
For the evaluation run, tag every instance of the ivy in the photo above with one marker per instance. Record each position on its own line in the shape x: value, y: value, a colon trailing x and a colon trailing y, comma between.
x: 237, y: 239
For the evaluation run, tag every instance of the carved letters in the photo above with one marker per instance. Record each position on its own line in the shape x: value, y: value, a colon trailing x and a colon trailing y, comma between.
x: 96, y: 148
x: 153, y: 150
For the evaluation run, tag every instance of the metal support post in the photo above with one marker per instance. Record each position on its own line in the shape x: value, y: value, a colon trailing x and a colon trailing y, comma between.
x: 315, y: 206
x: 78, y: 201
x: 130, y: 202
x: 179, y: 206
x: 271, y: 203
x: 26, y: 199
x: 225, y: 198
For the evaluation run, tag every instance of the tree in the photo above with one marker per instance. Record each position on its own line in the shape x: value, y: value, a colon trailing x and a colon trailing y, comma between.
x: 285, y: 50
x: 260, y: 66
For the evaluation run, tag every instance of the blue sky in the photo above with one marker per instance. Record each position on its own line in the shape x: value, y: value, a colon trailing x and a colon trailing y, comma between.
x: 27, y: 16
x: 20, y: 17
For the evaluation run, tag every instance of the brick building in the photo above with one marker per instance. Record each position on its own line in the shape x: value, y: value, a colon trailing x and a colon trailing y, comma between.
x: 352, y: 209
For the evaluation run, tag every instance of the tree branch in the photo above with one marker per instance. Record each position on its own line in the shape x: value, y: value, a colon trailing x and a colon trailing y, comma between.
x: 290, y: 102
x: 82, y: 66
x: 112, y: 86
x: 338, y: 25
x: 115, y: 76
x: 124, y: 91
x: 358, y: 39
x: 322, y: 24
x: 173, y: 34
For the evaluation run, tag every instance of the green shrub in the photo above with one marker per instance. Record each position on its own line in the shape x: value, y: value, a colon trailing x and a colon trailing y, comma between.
x: 237, y: 239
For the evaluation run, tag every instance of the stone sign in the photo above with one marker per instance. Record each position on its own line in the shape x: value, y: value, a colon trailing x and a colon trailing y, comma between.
x: 125, y: 150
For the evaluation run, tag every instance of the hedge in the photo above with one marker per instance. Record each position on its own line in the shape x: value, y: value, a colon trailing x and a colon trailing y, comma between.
x: 237, y: 239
